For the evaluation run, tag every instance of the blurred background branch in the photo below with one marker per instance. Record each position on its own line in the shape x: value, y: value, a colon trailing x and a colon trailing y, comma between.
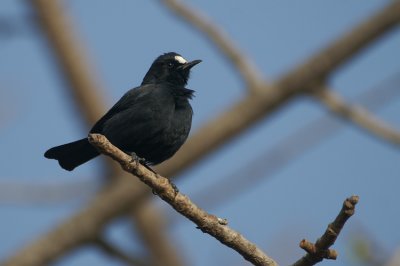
x: 72, y: 58
x: 357, y: 115
x: 112, y: 251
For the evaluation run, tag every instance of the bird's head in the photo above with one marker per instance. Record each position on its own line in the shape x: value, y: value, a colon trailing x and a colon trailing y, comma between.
x: 170, y: 68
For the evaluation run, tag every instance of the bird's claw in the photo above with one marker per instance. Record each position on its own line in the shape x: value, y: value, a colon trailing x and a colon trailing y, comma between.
x: 136, y: 158
x: 142, y: 161
x: 176, y: 189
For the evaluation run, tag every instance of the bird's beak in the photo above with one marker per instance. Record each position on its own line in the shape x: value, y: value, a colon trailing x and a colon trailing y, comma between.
x: 189, y: 65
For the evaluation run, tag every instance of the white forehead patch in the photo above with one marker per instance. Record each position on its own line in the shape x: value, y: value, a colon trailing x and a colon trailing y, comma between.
x: 180, y: 59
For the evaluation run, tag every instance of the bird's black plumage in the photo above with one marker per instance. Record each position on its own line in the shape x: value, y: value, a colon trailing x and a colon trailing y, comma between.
x: 152, y: 120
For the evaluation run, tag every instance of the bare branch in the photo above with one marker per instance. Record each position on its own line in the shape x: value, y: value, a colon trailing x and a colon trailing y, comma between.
x: 357, y: 114
x: 115, y: 252
x: 320, y: 250
x: 219, y: 38
x: 165, y: 189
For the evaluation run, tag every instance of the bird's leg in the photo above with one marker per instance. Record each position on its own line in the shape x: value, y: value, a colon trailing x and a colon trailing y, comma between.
x: 176, y: 189
x: 149, y: 168
x: 142, y: 161
x: 136, y: 158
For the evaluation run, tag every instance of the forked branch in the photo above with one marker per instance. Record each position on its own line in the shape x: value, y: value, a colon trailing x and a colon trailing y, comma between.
x: 320, y: 250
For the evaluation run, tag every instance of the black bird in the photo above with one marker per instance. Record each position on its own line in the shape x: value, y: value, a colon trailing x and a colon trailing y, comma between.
x: 151, y: 121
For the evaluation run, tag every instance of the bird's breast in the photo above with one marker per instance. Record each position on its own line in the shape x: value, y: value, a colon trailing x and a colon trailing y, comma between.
x: 180, y: 124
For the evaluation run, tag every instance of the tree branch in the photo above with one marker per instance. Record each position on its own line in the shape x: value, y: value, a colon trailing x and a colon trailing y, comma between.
x: 165, y: 189
x: 320, y: 250
x: 356, y: 114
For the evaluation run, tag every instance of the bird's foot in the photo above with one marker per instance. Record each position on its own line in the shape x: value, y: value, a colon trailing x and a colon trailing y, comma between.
x: 176, y: 189
x: 136, y: 158
x: 150, y: 169
x: 142, y: 161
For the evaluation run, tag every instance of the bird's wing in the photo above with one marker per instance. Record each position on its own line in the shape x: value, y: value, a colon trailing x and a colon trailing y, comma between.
x: 130, y: 98
x: 140, y: 114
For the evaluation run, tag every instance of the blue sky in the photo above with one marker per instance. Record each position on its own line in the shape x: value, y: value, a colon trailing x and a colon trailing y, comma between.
x: 278, y: 210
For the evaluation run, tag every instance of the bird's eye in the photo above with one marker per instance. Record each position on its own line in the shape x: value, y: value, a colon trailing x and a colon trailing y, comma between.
x: 170, y: 64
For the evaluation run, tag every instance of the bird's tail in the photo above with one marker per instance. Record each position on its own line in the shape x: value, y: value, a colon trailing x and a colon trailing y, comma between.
x: 72, y: 154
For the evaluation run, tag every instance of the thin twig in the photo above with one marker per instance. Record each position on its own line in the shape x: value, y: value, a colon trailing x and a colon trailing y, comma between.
x: 163, y: 187
x: 357, y: 114
x: 221, y: 41
x: 116, y: 253
x: 320, y: 250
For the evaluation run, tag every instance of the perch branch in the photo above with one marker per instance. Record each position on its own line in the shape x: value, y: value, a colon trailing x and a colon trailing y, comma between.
x: 164, y: 189
x: 320, y: 250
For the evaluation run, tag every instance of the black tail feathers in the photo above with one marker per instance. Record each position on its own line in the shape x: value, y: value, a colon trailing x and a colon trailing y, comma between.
x: 72, y: 154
